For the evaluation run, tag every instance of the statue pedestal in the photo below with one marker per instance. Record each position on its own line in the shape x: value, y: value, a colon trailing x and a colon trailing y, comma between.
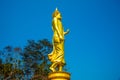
x: 59, y: 76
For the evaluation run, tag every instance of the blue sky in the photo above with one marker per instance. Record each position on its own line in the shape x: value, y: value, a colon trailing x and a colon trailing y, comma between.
x: 92, y: 48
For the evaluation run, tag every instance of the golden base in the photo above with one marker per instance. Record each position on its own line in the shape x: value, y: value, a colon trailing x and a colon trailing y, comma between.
x: 59, y: 76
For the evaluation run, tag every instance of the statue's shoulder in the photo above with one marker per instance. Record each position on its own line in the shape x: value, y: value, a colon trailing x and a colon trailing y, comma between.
x: 54, y: 21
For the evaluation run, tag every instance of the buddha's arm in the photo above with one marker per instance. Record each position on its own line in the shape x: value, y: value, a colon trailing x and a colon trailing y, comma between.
x: 66, y: 32
x: 55, y: 25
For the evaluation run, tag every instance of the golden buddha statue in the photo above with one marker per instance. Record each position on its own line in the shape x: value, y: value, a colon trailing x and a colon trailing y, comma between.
x: 57, y: 55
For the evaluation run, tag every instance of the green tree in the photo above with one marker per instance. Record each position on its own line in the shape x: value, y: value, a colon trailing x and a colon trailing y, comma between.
x: 31, y: 62
x: 8, y: 69
x: 35, y: 58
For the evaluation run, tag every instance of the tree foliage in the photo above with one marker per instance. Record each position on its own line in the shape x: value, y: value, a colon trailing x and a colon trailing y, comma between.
x: 35, y: 57
x: 30, y: 62
x: 8, y: 66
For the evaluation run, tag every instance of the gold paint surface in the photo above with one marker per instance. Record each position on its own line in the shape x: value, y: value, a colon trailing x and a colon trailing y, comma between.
x: 59, y: 76
x: 57, y: 55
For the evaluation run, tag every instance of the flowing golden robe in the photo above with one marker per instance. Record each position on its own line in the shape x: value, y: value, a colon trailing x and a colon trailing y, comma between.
x: 57, y: 55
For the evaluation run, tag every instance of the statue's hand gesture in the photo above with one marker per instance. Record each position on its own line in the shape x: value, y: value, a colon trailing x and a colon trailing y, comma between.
x: 66, y: 32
